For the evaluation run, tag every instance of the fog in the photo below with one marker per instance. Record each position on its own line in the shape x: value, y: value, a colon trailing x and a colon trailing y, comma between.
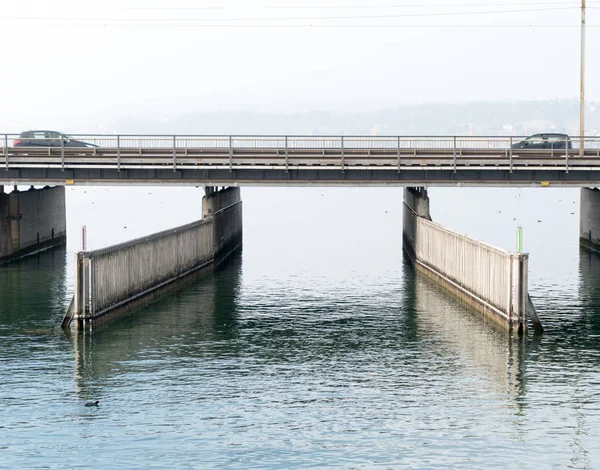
x: 88, y: 67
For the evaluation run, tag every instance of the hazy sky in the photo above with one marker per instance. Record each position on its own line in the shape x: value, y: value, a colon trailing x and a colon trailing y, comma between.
x: 82, y: 65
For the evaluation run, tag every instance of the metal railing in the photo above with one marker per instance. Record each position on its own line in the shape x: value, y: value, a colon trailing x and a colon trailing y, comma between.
x: 115, y: 148
x: 141, y: 141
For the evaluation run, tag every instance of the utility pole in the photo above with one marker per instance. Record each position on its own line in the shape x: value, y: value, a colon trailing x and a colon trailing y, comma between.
x: 582, y: 84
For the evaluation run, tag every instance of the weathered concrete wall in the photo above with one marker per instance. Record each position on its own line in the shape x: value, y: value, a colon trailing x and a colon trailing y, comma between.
x: 589, y: 219
x: 492, y: 280
x: 31, y: 221
x: 115, y: 280
x: 225, y: 207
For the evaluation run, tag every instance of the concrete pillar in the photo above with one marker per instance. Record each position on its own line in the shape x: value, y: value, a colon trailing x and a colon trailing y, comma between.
x: 418, y: 201
x: 589, y: 219
x: 225, y: 206
x: 416, y: 204
x: 31, y: 221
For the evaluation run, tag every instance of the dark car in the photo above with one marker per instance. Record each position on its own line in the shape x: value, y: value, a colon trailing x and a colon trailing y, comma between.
x: 544, y: 141
x: 48, y: 139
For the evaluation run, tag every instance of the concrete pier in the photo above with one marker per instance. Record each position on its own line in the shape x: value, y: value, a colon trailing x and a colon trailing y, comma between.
x: 31, y: 221
x: 589, y: 219
x: 491, y: 280
x: 113, y: 281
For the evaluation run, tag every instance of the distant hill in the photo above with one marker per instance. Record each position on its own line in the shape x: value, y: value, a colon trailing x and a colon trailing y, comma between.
x: 479, y: 118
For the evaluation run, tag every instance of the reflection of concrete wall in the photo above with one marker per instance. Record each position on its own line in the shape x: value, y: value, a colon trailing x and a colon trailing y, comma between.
x: 31, y: 220
x: 202, y: 312
x: 479, y: 342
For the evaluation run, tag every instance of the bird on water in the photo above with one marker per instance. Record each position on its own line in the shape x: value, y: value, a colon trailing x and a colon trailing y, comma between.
x: 93, y: 403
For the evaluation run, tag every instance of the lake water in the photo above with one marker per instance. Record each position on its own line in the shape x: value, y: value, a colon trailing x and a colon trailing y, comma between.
x: 317, y: 346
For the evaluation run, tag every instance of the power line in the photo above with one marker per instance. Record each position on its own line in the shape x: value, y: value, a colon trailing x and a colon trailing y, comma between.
x: 326, y: 7
x: 296, y: 18
x: 299, y: 26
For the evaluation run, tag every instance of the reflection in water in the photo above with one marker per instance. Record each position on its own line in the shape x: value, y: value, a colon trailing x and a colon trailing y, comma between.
x: 476, y: 340
x: 33, y: 291
x: 318, y: 347
x: 171, y: 327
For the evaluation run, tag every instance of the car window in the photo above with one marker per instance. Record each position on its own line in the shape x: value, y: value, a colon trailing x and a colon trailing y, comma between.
x: 26, y: 135
x: 556, y: 138
x: 535, y: 138
x: 52, y: 135
x: 39, y: 135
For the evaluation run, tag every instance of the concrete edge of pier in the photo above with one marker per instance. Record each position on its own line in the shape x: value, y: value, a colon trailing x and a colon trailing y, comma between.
x: 31, y: 221
x: 117, y: 281
x: 492, y: 281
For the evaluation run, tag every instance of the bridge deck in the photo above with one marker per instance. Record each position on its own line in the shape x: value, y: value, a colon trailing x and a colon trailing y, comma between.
x: 301, y: 161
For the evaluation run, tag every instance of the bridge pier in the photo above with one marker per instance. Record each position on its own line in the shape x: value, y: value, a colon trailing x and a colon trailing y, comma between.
x: 31, y: 221
x: 113, y: 281
x: 589, y: 219
x: 492, y: 281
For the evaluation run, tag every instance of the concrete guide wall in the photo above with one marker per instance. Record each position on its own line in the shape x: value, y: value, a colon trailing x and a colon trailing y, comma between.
x: 31, y: 220
x: 494, y: 281
x: 114, y: 280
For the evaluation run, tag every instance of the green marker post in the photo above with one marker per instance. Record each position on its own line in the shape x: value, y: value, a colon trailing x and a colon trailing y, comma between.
x: 519, y: 239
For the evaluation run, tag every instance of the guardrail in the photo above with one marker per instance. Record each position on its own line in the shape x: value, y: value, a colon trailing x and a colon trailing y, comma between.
x: 275, y: 151
x: 142, y: 141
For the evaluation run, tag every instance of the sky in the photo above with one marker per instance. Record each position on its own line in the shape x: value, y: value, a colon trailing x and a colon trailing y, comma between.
x: 83, y: 65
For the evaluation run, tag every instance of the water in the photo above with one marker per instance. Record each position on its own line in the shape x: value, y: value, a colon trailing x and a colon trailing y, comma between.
x: 317, y: 346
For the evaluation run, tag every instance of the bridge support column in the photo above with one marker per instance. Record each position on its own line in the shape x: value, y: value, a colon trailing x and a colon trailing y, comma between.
x: 416, y: 203
x: 589, y: 219
x: 31, y: 221
x: 225, y: 207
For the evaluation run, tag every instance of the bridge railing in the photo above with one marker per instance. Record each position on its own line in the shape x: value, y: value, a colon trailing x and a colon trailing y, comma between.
x: 293, y: 141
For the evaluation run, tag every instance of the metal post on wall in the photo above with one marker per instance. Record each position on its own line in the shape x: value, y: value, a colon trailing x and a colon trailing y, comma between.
x: 286, y: 154
x: 510, y: 154
x: 118, y: 153
x: 398, y: 154
x: 454, y: 154
x: 230, y: 154
x: 6, y: 149
x: 174, y: 153
x: 62, y: 153
x: 83, y: 238
x: 342, y: 144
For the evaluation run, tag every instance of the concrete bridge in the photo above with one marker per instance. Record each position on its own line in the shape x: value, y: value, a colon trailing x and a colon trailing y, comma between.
x: 300, y: 161
x: 120, y: 277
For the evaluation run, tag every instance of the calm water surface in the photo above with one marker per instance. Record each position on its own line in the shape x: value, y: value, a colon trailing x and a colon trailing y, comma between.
x: 317, y: 346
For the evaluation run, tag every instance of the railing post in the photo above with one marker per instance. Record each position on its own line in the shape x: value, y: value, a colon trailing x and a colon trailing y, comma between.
x: 174, y: 153
x: 6, y: 150
x: 118, y: 153
x: 398, y: 154
x: 230, y: 154
x: 286, y: 154
x: 510, y: 154
x: 342, y: 145
x: 567, y: 157
x: 62, y: 153
x: 454, y: 153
